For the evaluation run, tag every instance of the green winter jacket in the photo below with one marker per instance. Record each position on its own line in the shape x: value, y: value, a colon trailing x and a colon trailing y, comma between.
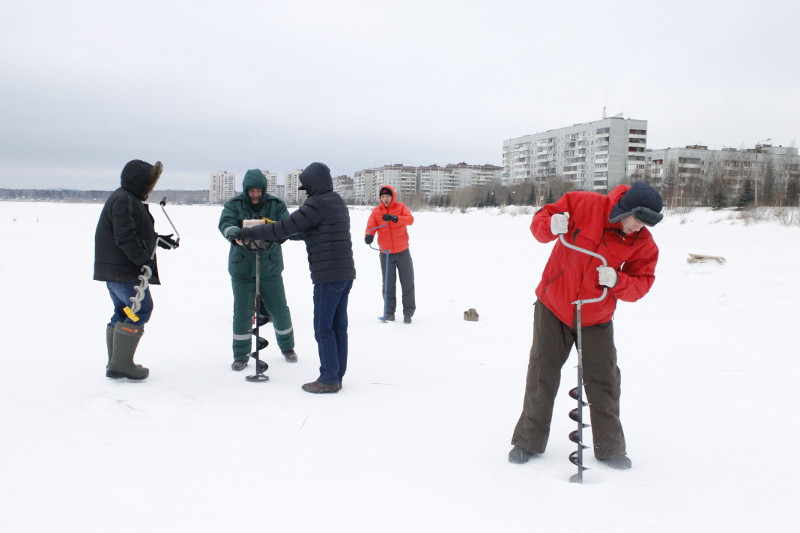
x: 241, y: 262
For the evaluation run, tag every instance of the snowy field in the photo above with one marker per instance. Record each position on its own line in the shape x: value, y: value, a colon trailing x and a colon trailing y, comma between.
x: 418, y: 438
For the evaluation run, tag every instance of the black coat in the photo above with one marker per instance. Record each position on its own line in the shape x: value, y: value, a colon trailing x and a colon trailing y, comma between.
x: 125, y: 237
x: 323, y: 222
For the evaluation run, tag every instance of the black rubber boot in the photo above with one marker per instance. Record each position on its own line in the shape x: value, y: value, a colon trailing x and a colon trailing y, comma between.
x: 109, y: 342
x: 126, y: 339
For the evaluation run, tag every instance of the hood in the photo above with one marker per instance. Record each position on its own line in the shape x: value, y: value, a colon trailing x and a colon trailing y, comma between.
x: 139, y: 177
x: 640, y: 200
x: 254, y: 179
x: 391, y: 191
x: 316, y: 179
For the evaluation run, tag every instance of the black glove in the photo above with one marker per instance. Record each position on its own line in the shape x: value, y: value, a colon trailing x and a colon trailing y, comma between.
x: 244, y: 235
x: 369, y: 238
x: 167, y: 242
x: 390, y: 218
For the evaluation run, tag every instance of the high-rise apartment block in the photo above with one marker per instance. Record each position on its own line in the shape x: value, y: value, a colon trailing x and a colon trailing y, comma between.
x: 272, y: 182
x: 593, y: 156
x: 291, y: 181
x: 425, y: 182
x: 223, y: 186
x: 343, y: 185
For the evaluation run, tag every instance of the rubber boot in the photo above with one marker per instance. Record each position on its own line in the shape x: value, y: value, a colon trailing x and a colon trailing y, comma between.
x: 109, y: 342
x: 126, y: 339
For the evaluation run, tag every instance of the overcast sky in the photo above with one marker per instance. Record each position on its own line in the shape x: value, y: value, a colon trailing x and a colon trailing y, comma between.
x: 237, y: 84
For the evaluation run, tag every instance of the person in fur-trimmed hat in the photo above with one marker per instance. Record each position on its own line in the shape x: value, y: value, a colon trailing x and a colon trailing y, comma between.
x: 124, y: 243
x: 614, y: 227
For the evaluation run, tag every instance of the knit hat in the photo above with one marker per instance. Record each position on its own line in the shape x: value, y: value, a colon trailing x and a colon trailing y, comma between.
x: 385, y: 190
x: 641, y: 201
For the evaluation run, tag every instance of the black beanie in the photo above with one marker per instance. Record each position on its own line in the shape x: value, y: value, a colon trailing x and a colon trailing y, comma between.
x: 386, y: 190
x: 641, y: 201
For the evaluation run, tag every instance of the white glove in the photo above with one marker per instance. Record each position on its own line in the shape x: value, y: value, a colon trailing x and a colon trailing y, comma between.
x: 559, y: 223
x: 607, y: 276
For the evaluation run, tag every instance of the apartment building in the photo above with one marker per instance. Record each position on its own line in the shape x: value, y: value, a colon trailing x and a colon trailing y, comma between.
x: 291, y: 181
x: 425, y: 182
x: 223, y: 186
x: 343, y: 185
x: 594, y: 156
x: 272, y: 182
x: 693, y: 165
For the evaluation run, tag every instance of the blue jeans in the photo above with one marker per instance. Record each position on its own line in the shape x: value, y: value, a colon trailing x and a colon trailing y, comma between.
x: 121, y: 294
x: 330, y: 329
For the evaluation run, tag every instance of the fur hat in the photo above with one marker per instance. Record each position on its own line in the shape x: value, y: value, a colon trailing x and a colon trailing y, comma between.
x: 140, y: 177
x: 641, y: 201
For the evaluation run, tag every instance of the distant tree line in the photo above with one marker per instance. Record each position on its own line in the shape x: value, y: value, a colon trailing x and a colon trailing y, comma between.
x: 75, y: 196
x: 762, y: 185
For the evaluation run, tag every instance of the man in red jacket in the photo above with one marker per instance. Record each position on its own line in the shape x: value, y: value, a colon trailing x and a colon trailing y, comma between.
x: 614, y: 227
x: 394, y: 217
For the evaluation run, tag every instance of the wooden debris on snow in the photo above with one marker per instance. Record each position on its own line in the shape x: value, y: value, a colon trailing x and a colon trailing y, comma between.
x: 702, y: 258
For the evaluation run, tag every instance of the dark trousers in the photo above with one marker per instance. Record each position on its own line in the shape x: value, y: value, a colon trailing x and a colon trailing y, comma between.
x: 402, y: 264
x: 552, y: 343
x: 330, y: 329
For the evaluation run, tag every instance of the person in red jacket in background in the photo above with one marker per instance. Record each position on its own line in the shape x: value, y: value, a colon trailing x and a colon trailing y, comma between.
x: 614, y: 227
x: 394, y: 217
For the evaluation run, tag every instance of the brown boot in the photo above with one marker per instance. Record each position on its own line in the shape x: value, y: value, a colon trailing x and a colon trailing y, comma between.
x: 318, y: 387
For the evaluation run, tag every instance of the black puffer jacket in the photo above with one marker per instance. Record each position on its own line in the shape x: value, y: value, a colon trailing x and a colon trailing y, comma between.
x: 323, y: 222
x: 125, y: 235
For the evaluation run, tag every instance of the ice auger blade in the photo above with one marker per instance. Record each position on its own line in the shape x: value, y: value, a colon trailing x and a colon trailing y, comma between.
x: 575, y: 437
x: 575, y: 394
x: 577, y: 461
x: 577, y: 417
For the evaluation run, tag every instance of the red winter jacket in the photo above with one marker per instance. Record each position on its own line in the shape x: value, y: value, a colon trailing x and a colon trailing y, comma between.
x: 393, y: 236
x: 570, y: 275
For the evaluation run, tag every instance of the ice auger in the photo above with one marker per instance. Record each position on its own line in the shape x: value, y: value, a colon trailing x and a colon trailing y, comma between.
x: 576, y: 414
x: 258, y: 248
x: 385, y: 275
x: 144, y: 277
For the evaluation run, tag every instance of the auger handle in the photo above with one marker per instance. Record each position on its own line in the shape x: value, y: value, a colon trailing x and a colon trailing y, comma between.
x: 593, y: 254
x: 375, y: 248
x: 163, y: 202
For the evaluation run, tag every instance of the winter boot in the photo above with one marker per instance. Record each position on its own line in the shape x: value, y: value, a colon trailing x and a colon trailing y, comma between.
x: 109, y: 342
x: 126, y: 339
x: 318, y: 387
x: 290, y: 356
x: 621, y: 462
x: 519, y: 455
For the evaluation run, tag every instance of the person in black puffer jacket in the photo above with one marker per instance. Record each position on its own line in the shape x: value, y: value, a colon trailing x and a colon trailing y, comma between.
x: 323, y: 222
x: 124, y: 243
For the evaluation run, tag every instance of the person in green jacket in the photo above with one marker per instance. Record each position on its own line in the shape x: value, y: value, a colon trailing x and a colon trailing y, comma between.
x: 255, y: 203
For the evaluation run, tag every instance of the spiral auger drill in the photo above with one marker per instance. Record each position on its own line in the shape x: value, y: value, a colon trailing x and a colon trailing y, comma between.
x: 258, y: 247
x: 147, y: 273
x: 259, y: 319
x: 576, y: 414
x: 385, y: 274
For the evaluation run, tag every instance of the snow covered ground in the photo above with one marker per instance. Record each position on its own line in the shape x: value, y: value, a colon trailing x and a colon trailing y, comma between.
x: 417, y: 440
